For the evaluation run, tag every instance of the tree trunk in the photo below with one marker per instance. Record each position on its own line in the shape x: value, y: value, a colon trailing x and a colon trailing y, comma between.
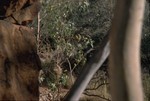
x: 125, y: 39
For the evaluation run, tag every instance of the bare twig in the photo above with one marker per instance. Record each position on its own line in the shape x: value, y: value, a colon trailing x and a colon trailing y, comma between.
x: 97, y: 96
x: 70, y: 70
x: 96, y: 87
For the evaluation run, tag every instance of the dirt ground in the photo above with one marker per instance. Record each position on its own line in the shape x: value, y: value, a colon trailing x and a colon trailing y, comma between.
x: 47, y: 95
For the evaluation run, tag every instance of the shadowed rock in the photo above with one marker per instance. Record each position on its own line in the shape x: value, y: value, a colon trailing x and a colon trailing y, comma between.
x: 19, y: 62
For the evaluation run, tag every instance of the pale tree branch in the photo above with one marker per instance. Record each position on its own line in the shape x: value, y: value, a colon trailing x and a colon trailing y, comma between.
x: 89, y: 70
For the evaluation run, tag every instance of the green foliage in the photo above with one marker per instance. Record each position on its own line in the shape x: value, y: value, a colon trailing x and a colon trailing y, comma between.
x: 63, y: 79
x: 145, y: 53
x: 145, y: 47
x: 146, y: 85
x: 69, y: 29
x: 59, y: 32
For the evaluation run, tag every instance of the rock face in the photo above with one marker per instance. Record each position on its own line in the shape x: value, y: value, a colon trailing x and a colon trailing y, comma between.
x: 19, y: 62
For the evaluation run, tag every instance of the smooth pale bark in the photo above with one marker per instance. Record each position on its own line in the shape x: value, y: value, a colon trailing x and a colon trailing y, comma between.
x: 125, y: 39
x: 88, y: 71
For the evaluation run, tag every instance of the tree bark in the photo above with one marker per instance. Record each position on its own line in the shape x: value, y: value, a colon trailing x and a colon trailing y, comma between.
x: 125, y: 39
